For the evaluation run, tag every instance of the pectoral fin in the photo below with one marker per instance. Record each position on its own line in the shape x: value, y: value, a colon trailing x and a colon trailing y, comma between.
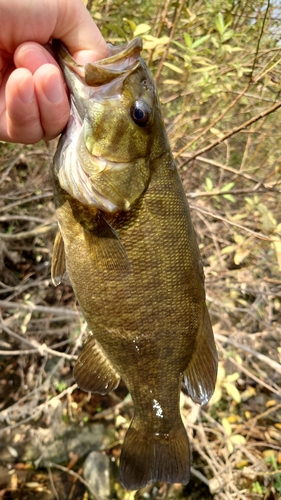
x: 106, y: 249
x: 201, y: 372
x: 93, y: 371
x: 58, y: 260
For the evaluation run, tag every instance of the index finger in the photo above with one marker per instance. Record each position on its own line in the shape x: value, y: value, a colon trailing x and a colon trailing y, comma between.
x: 77, y: 30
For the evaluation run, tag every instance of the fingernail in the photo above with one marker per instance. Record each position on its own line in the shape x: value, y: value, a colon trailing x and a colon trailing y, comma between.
x: 26, y: 91
x: 53, y: 89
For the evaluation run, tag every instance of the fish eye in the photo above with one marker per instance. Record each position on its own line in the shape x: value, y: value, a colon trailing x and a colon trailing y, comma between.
x: 140, y: 113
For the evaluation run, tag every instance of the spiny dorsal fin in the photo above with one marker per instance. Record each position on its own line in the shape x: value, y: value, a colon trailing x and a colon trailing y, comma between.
x: 58, y: 260
x: 93, y: 371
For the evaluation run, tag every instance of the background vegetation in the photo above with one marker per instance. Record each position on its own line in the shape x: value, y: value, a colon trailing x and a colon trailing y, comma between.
x: 217, y: 66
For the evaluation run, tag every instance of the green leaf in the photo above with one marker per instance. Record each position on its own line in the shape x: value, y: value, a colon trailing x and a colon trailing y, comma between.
x: 216, y: 396
x: 227, y: 35
x: 131, y: 24
x: 116, y: 29
x: 227, y: 427
x: 228, y: 249
x: 232, y: 391
x: 141, y: 29
x: 238, y: 439
x: 208, y: 184
x: 277, y: 249
x: 233, y: 377
x: 188, y: 40
x: 150, y: 42
x: 229, y: 197
x: 174, y: 68
x: 180, y: 45
x: 199, y: 42
x: 216, y: 132
x: 227, y: 187
x: 241, y: 254
x: 220, y: 23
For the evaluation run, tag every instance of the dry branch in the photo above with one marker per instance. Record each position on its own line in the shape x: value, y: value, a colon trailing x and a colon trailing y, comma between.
x: 231, y: 132
x: 265, y: 359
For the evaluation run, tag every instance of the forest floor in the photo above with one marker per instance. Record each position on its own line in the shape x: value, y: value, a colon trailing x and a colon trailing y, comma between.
x: 49, y: 427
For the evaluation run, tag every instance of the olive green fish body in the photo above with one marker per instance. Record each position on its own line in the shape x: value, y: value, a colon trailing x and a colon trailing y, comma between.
x: 131, y: 254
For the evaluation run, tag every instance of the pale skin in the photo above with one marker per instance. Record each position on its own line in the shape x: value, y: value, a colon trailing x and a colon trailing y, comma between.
x: 33, y: 97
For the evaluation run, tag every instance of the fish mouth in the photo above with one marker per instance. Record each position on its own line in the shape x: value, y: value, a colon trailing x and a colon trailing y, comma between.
x: 95, y: 180
x: 122, y: 59
x: 101, y: 79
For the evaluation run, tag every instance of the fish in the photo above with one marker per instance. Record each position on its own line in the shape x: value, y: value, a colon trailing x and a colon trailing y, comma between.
x: 127, y: 242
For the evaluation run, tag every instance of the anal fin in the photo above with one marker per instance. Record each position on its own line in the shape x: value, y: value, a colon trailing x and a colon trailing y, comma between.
x: 93, y: 371
x: 58, y: 260
x: 201, y: 373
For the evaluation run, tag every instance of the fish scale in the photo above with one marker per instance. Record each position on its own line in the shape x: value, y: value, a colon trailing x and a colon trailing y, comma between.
x: 131, y: 254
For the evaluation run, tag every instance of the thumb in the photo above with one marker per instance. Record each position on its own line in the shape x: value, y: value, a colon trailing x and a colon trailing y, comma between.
x: 77, y: 30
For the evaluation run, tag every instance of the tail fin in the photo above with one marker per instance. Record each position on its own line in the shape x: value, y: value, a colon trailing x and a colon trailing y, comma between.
x: 148, y: 457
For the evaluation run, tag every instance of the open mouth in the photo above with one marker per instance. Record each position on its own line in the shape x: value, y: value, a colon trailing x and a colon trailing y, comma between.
x: 78, y: 170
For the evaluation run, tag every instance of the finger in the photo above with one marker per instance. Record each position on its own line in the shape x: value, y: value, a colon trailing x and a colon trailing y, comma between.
x: 52, y: 100
x: 22, y: 112
x: 32, y: 55
x: 76, y: 28
x: 40, y: 21
x: 3, y: 117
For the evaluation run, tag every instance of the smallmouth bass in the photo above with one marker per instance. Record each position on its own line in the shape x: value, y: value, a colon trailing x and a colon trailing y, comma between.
x: 129, y: 247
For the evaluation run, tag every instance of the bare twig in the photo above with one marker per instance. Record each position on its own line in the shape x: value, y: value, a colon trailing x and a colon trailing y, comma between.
x: 52, y: 483
x: 22, y: 201
x: 219, y: 192
x: 199, y: 475
x: 252, y: 376
x: 6, y: 218
x: 41, y: 349
x: 35, y: 411
x: 231, y: 223
x: 159, y: 27
x: 213, y: 123
x: 231, y: 132
x: 77, y: 476
x: 265, y: 359
x: 260, y: 37
x: 42, y: 229
x: 171, y: 36
x: 217, y: 164
x: 66, y: 312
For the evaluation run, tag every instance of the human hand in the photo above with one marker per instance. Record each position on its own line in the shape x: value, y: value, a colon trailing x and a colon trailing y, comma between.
x: 33, y: 96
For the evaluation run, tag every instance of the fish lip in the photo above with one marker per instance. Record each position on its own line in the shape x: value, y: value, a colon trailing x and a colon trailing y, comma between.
x: 93, y: 81
x: 123, y: 60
